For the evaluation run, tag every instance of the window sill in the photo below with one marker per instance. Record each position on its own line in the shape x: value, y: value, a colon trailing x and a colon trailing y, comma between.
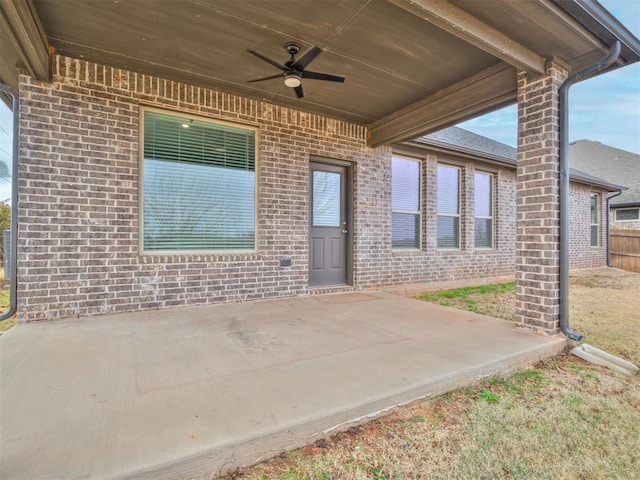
x: 175, y: 257
x: 406, y: 252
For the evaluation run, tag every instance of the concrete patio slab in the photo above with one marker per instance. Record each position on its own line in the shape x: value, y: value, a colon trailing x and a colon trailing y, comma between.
x: 187, y: 393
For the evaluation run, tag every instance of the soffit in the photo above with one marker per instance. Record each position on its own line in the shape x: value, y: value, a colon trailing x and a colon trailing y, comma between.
x: 389, y: 57
x: 540, y: 25
x: 394, y: 60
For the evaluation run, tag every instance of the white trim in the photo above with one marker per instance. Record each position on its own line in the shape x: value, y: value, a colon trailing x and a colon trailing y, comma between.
x: 492, y: 206
x: 459, y: 214
x: 411, y: 212
x: 597, y: 224
x: 616, y: 210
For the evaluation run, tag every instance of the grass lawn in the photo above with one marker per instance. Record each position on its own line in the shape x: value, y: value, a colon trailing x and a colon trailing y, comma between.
x: 560, y: 419
x: 497, y: 300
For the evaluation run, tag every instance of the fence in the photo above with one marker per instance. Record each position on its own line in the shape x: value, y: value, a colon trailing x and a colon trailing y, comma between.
x: 625, y: 249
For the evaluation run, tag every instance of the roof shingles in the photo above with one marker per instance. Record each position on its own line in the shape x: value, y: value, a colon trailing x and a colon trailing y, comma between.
x: 460, y: 140
x: 612, y: 164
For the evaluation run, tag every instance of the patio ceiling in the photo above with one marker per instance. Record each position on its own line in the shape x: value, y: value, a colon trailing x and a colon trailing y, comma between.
x: 411, y: 66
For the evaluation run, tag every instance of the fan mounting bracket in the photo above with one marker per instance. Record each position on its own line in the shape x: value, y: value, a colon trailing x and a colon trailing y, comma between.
x: 292, y: 47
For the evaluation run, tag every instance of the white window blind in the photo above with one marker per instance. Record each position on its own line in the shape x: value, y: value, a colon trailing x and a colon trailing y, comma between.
x: 594, y: 220
x: 405, y: 203
x: 483, y: 205
x: 448, y: 207
x: 198, y: 185
x: 326, y: 199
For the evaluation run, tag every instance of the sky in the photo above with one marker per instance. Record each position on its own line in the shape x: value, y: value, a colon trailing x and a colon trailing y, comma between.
x: 6, y: 122
x: 605, y: 108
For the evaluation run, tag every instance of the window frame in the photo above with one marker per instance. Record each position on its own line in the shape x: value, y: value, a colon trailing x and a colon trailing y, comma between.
x: 616, y: 210
x: 418, y: 212
x: 594, y: 196
x: 458, y: 215
x: 215, y: 121
x: 492, y: 206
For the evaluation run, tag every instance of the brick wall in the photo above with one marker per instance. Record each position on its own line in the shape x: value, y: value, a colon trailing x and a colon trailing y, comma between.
x: 79, y: 202
x: 581, y: 253
x: 429, y: 264
x: 79, y: 197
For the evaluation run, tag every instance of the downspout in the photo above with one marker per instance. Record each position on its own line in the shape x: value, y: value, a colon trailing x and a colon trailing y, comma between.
x: 13, y: 250
x: 609, y: 226
x: 563, y: 100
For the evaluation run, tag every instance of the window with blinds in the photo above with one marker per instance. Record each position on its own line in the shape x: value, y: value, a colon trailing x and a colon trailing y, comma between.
x: 405, y: 203
x: 199, y: 185
x: 448, y: 207
x: 483, y: 208
x: 627, y: 214
x: 594, y: 220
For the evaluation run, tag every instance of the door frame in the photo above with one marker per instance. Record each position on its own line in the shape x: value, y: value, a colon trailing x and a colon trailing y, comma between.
x: 349, y: 166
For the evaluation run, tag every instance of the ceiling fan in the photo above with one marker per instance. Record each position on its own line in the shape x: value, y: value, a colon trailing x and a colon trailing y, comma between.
x: 293, y: 71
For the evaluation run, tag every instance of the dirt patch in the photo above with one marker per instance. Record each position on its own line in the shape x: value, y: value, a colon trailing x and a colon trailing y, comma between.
x: 604, y: 305
x: 602, y: 278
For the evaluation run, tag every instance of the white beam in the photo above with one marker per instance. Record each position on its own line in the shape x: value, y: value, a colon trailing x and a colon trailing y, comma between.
x: 468, y: 28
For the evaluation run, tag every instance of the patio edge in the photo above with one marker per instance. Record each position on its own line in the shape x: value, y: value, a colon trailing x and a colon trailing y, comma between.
x: 227, y: 459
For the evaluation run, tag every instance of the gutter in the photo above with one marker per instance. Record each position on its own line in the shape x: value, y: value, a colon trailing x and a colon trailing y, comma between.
x: 563, y: 100
x: 609, y: 225
x: 451, y: 148
x: 626, y: 205
x: 599, y: 21
x: 13, y: 250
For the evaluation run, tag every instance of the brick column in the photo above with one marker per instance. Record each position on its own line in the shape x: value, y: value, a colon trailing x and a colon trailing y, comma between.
x: 537, y: 201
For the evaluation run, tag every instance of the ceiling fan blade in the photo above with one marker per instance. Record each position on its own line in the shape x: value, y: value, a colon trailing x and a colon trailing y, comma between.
x: 268, y: 60
x: 306, y: 59
x: 322, y: 76
x: 299, y: 91
x: 279, y: 75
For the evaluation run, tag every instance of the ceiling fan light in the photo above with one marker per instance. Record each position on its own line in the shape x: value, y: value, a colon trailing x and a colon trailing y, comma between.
x: 292, y: 80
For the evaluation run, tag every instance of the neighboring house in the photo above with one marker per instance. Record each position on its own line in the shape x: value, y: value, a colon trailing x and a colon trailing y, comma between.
x: 615, y: 166
x: 478, y: 178
x: 152, y: 174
